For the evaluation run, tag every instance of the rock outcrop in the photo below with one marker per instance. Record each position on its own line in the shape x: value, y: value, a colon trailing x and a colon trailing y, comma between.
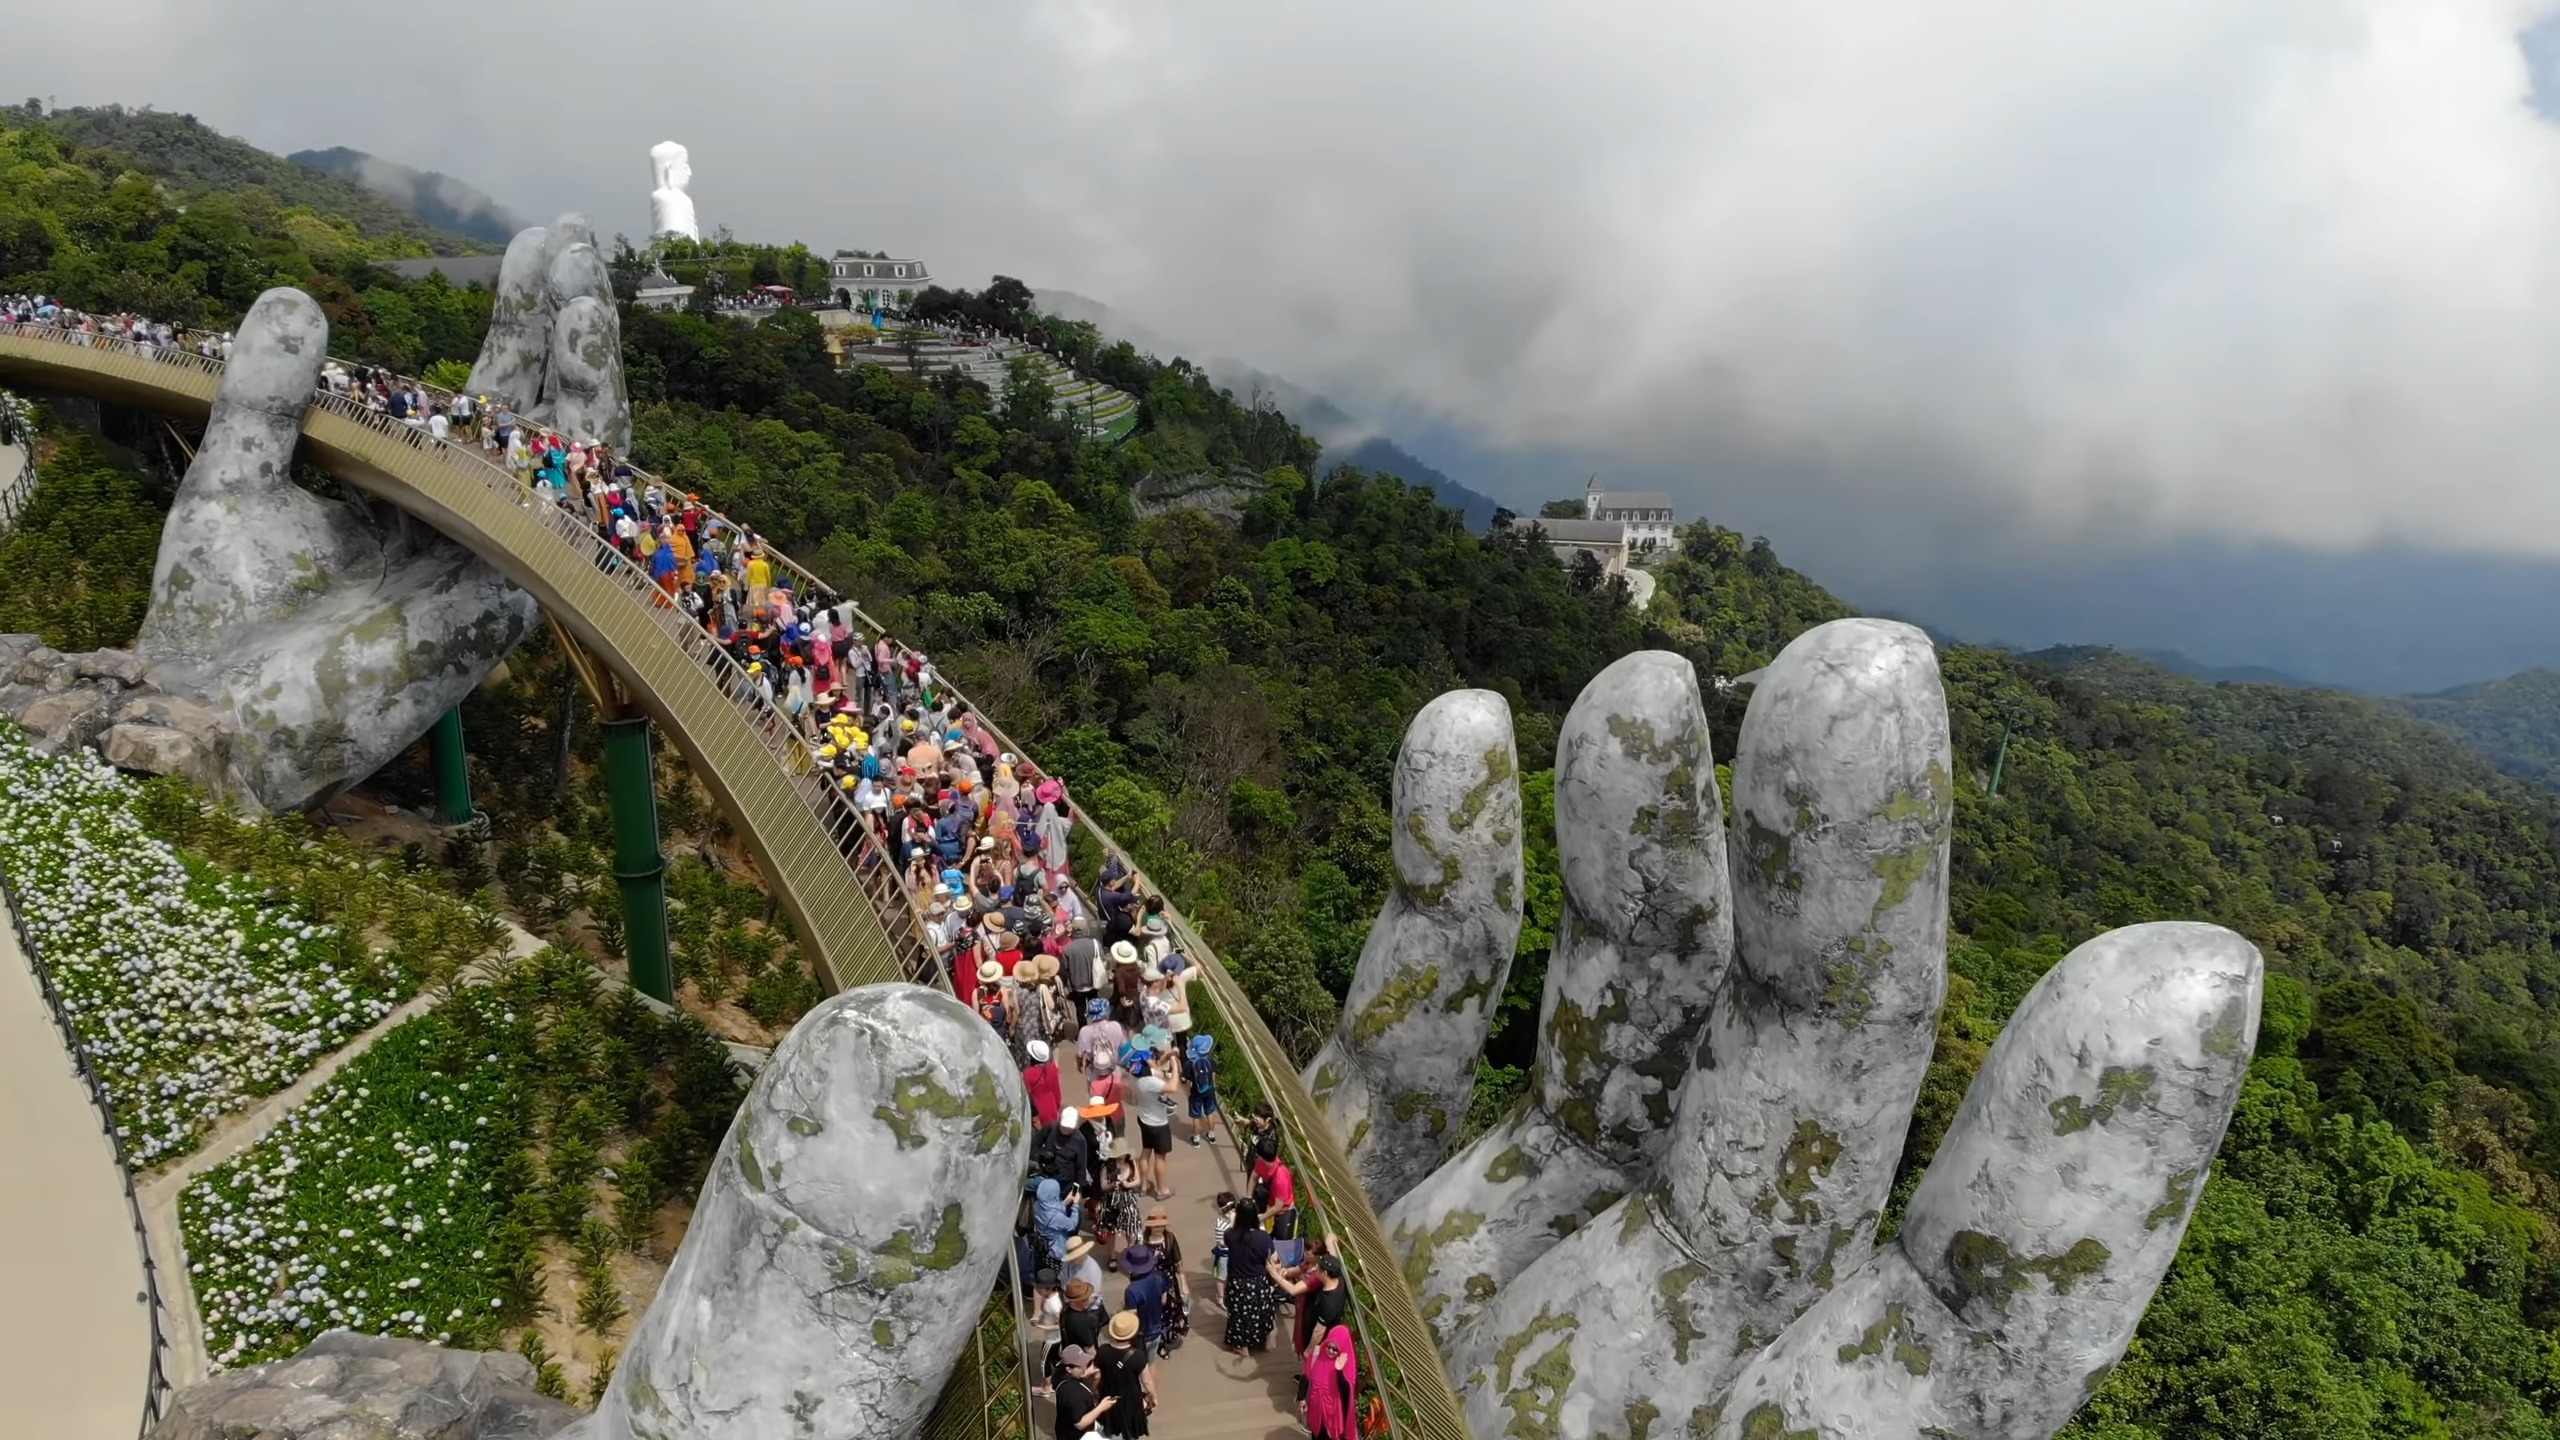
x: 109, y: 701
x: 347, y: 1386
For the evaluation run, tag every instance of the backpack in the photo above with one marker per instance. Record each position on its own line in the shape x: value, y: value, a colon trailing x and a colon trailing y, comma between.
x: 1201, y: 1071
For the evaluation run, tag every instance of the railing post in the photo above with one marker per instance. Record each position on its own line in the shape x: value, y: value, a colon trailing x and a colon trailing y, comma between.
x: 453, y: 777
x: 638, y: 867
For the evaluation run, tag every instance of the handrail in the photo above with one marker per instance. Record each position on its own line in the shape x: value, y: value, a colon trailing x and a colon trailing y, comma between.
x: 1404, y: 1364
x: 155, y: 1383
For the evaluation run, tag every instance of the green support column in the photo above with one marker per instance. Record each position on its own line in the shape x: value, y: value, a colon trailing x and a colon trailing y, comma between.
x: 453, y: 781
x: 637, y: 865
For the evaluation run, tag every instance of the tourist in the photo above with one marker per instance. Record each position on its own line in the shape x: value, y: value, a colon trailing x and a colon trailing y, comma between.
x: 1123, y: 1213
x: 1100, y: 1036
x: 1127, y: 1378
x: 1158, y: 1236
x: 1252, y: 1292
x: 1151, y: 1103
x: 1148, y: 1290
x: 1323, y: 1297
x: 1081, y: 1404
x: 1070, y: 1152
x: 1080, y: 1266
x: 1329, y: 1387
x: 1200, y: 1071
x: 1040, y: 1079
x: 1057, y: 1216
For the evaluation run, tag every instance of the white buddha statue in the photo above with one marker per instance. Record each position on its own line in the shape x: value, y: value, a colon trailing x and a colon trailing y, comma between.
x: 670, y: 209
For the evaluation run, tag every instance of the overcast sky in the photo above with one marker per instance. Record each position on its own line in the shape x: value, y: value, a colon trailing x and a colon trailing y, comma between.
x: 2113, y: 273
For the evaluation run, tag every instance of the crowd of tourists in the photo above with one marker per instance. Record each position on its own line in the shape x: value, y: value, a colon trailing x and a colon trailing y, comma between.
x: 978, y: 838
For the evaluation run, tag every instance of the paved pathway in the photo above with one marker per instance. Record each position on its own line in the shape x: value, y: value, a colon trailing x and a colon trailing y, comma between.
x: 1203, y: 1392
x: 75, y: 1337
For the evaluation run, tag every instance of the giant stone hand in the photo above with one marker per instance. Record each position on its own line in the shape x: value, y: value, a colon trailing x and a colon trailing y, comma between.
x: 331, y: 633
x: 1676, y: 1232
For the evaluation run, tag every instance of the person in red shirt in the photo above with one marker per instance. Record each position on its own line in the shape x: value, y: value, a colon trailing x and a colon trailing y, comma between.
x: 1040, y: 1077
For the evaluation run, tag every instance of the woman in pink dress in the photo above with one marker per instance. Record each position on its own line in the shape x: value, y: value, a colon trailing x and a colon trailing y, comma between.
x: 1332, y: 1373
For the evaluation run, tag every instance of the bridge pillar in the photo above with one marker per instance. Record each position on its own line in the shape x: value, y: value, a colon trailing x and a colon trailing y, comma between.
x: 638, y: 867
x: 453, y: 780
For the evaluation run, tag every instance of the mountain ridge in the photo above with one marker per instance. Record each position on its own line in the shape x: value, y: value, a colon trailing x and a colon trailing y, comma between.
x: 434, y: 197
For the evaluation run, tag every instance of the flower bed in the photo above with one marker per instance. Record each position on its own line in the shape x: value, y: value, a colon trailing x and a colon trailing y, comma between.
x: 194, y: 991
x: 413, y: 1194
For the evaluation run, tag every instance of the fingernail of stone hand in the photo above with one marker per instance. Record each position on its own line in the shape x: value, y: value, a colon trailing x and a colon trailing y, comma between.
x: 1397, y: 1074
x: 847, y: 1238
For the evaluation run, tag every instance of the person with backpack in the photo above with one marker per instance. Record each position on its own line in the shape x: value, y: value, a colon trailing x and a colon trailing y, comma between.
x: 1200, y: 1074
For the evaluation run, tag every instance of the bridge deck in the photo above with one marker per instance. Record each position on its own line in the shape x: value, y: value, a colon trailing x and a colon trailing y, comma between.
x: 1203, y: 1392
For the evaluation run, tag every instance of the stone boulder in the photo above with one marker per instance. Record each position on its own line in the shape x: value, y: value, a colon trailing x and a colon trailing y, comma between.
x: 66, y: 720
x: 347, y: 1386
x: 121, y: 666
x: 37, y: 663
x: 154, y: 750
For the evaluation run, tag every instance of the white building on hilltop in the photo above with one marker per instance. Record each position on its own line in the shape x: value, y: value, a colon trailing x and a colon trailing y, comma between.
x: 874, y: 282
x: 1645, y: 513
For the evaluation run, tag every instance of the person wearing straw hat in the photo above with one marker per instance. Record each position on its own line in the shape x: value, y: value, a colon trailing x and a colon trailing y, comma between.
x: 988, y: 994
x: 1127, y: 984
x: 1126, y: 1377
x: 1156, y: 1233
x: 1080, y: 1266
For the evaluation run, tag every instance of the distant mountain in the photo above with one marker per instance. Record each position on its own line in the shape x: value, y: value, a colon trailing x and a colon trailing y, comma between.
x: 180, y: 148
x: 434, y: 197
x: 2513, y: 723
x: 1346, y: 439
x: 2228, y: 674
x: 2308, y: 724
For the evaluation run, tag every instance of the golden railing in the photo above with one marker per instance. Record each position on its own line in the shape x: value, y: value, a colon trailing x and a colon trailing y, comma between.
x: 758, y: 767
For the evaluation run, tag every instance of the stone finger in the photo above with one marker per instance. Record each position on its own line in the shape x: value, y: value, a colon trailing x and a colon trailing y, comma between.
x: 585, y: 376
x: 517, y: 349
x: 228, y: 548
x: 1396, y: 1075
x: 1789, y: 1127
x: 1641, y: 952
x: 847, y: 1238
x: 2049, y: 1215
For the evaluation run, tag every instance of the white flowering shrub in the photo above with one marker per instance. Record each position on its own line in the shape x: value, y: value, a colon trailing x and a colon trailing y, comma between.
x: 386, y: 1203
x: 194, y: 991
x: 410, y: 1195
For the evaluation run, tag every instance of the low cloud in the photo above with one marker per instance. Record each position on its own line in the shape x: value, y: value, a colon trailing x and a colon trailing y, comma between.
x: 2282, y: 270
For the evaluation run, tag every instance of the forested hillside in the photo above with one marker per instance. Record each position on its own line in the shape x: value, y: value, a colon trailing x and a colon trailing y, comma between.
x: 184, y: 151
x: 2375, y: 1254
x: 2515, y: 722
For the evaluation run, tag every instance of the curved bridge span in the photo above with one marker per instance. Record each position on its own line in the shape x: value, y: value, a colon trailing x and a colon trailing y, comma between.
x: 845, y: 898
x: 669, y: 667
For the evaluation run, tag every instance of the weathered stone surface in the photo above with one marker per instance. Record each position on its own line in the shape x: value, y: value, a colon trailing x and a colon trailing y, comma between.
x: 15, y: 697
x: 585, y: 379
x: 1396, y: 1077
x: 153, y: 751
x: 174, y: 712
x: 517, y: 348
x: 1643, y: 947
x: 1788, y: 1130
x: 122, y: 666
x: 854, y: 1221
x: 346, y: 1386
x: 65, y: 721
x: 38, y: 663
x: 14, y: 650
x: 328, y: 640
x: 2053, y: 1208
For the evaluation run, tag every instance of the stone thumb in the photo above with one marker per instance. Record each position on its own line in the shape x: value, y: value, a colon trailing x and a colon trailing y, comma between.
x: 847, y: 1239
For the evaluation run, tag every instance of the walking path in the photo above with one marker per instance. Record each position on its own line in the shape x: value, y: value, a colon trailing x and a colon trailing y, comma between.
x: 75, y: 1337
x: 1202, y: 1391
